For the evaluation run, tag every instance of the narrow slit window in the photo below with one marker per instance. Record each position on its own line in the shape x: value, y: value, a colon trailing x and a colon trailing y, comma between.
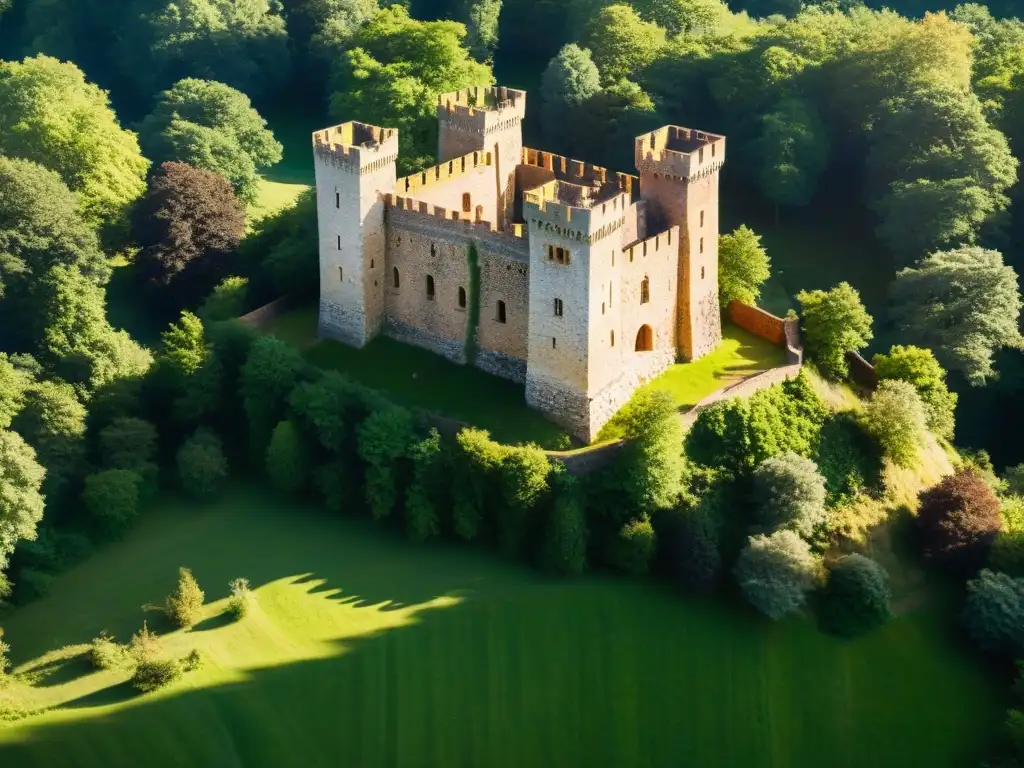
x: 433, y: 249
x: 371, y: 263
x: 645, y: 291
x: 613, y: 338
x: 467, y: 202
x: 702, y: 218
x: 702, y: 273
x: 430, y: 287
x: 553, y: 342
x: 337, y: 199
x: 558, y: 307
x: 462, y: 297
x: 558, y: 254
x: 702, y: 245
x: 341, y: 273
x: 501, y: 311
x: 395, y: 276
x: 339, y: 242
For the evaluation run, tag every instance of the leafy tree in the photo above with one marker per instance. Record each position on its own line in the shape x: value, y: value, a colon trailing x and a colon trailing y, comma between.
x: 226, y: 302
x: 632, y: 548
x: 895, y: 417
x: 776, y: 572
x: 51, y: 115
x: 394, y: 70
x: 961, y: 304
x: 651, y: 465
x: 53, y: 422
x: 994, y: 613
x: 694, y: 17
x: 242, y: 598
x: 563, y: 548
x: 152, y: 669
x: 40, y: 226
x: 790, y: 494
x: 481, y: 20
x: 202, y: 466
x: 185, y: 604
x: 476, y: 461
x: 523, y: 481
x: 833, y: 322
x: 621, y: 43
x: 188, y: 220
x: 13, y: 383
x: 287, y: 459
x: 422, y: 517
x: 743, y: 266
x: 694, y: 559
x: 328, y: 408
x: 856, y: 596
x: 111, y: 499
x: 279, y: 245
x: 77, y: 342
x: 957, y: 521
x: 128, y: 443
x: 795, y: 148
x: 919, y: 367
x: 21, y: 503
x: 336, y: 483
x: 271, y: 371
x: 212, y: 127
x: 570, y: 79
x: 384, y: 441
x: 326, y: 27
x: 191, y: 370
x: 618, y: 113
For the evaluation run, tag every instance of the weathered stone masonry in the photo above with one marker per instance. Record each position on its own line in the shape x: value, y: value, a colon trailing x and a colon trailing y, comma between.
x: 590, y: 282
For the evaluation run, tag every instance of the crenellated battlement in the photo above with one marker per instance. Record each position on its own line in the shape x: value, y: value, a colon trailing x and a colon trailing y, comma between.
x: 579, y: 172
x: 482, y: 110
x: 680, y: 153
x: 669, y: 239
x: 356, y: 147
x: 443, y: 172
x: 585, y: 214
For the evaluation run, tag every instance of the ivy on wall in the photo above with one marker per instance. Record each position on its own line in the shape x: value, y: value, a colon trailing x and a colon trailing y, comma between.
x: 473, y: 303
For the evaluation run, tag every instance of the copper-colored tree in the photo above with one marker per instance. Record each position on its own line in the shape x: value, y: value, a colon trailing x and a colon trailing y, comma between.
x: 189, y: 220
x: 958, y: 520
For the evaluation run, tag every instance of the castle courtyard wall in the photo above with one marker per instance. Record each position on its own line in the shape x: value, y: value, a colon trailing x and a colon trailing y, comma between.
x: 446, y: 184
x: 501, y: 346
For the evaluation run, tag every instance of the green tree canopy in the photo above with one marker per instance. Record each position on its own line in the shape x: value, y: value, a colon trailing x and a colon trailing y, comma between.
x: 13, y: 383
x: 794, y: 146
x: 481, y: 20
x: 621, y: 42
x: 21, y: 503
x: 569, y: 80
x: 743, y: 266
x: 920, y: 368
x: 50, y: 114
x: 833, y: 322
x: 694, y: 17
x: 896, y: 418
x: 961, y: 304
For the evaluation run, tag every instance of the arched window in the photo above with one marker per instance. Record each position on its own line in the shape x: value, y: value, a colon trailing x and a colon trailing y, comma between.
x: 644, y: 339
x: 558, y: 307
x: 501, y: 311
x: 645, y: 291
x: 467, y: 202
x: 394, y: 274
x: 430, y: 287
x: 462, y: 297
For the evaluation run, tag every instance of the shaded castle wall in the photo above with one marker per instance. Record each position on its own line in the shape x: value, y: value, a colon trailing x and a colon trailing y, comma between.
x: 447, y: 183
x: 501, y: 346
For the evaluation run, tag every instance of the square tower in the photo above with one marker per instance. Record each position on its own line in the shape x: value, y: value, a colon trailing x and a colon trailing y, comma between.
x: 679, y: 180
x: 574, y: 231
x: 355, y: 166
x: 479, y: 119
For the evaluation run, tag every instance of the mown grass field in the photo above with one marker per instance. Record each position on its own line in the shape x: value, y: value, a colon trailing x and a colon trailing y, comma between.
x: 366, y: 650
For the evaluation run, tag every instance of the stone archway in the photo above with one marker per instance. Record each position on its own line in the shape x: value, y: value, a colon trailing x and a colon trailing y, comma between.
x: 644, y: 339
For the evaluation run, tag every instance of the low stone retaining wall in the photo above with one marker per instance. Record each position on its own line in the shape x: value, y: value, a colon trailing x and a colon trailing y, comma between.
x: 758, y: 322
x: 861, y: 371
x: 744, y: 388
x: 260, y: 316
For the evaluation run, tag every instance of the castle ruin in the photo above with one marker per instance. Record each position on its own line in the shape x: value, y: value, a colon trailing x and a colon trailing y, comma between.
x: 578, y: 282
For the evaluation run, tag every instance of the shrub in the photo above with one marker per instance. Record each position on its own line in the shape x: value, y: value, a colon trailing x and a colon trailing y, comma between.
x: 384, y: 439
x: 650, y: 468
x: 287, y: 460
x: 1014, y: 479
x: 475, y: 464
x: 104, y: 653
x: 957, y: 521
x: 421, y: 498
x: 523, y: 481
x: 1007, y: 554
x: 185, y: 604
x: 896, y: 418
x: 111, y: 498
x: 128, y: 443
x: 833, y: 322
x: 694, y: 558
x: 776, y: 572
x: 790, y: 493
x: 193, y: 660
x: 152, y: 669
x: 847, y: 458
x: 241, y: 598
x: 227, y: 300
x: 271, y: 371
x: 919, y: 368
x: 563, y: 549
x: 856, y: 597
x: 632, y: 547
x: 5, y: 649
x: 994, y: 613
x: 202, y: 465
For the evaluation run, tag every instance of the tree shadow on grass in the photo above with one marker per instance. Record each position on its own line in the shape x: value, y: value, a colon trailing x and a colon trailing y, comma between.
x: 59, y: 671
x: 222, y: 619
x: 114, y: 694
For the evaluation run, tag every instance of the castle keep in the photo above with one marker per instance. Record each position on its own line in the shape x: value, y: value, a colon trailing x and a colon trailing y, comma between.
x: 576, y: 281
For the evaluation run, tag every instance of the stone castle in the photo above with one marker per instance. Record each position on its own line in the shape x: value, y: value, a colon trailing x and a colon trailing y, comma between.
x: 578, y: 282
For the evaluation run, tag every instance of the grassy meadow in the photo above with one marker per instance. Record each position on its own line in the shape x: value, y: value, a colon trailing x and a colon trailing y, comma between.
x: 366, y: 650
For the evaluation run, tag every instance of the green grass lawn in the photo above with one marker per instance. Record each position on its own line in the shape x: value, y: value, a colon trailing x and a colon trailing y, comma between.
x: 418, y: 378
x: 368, y: 651
x: 274, y: 196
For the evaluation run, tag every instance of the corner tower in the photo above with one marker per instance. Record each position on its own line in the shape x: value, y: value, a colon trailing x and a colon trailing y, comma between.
x: 679, y: 180
x: 355, y: 165
x: 489, y: 120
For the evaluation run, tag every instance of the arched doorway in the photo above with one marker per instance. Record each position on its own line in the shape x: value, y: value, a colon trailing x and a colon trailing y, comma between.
x: 645, y: 339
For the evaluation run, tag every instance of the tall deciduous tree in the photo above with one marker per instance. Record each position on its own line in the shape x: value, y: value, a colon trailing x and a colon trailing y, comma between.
x: 481, y: 20
x: 684, y: 16
x: 21, y: 503
x: 621, y: 42
x: 834, y: 322
x: 961, y: 304
x: 189, y: 219
x: 194, y: 373
x: 53, y: 422
x: 569, y: 80
x: 794, y: 147
x: 50, y: 114
x: 919, y: 368
x: 13, y: 383
x: 743, y: 266
x: 241, y: 140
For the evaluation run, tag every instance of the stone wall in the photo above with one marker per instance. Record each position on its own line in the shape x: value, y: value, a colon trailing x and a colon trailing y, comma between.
x: 447, y: 184
x: 861, y: 371
x: 758, y: 322
x: 502, y: 336
x: 260, y: 316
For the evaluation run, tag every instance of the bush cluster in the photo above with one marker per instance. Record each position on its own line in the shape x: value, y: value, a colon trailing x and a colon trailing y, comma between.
x: 241, y: 600
x: 105, y: 653
x: 185, y: 604
x: 958, y: 519
x: 856, y: 597
x: 993, y: 613
x: 153, y: 669
x: 776, y: 572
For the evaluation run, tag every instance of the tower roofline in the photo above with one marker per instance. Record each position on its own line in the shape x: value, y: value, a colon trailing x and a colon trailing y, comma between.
x: 356, y: 145
x: 680, y: 152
